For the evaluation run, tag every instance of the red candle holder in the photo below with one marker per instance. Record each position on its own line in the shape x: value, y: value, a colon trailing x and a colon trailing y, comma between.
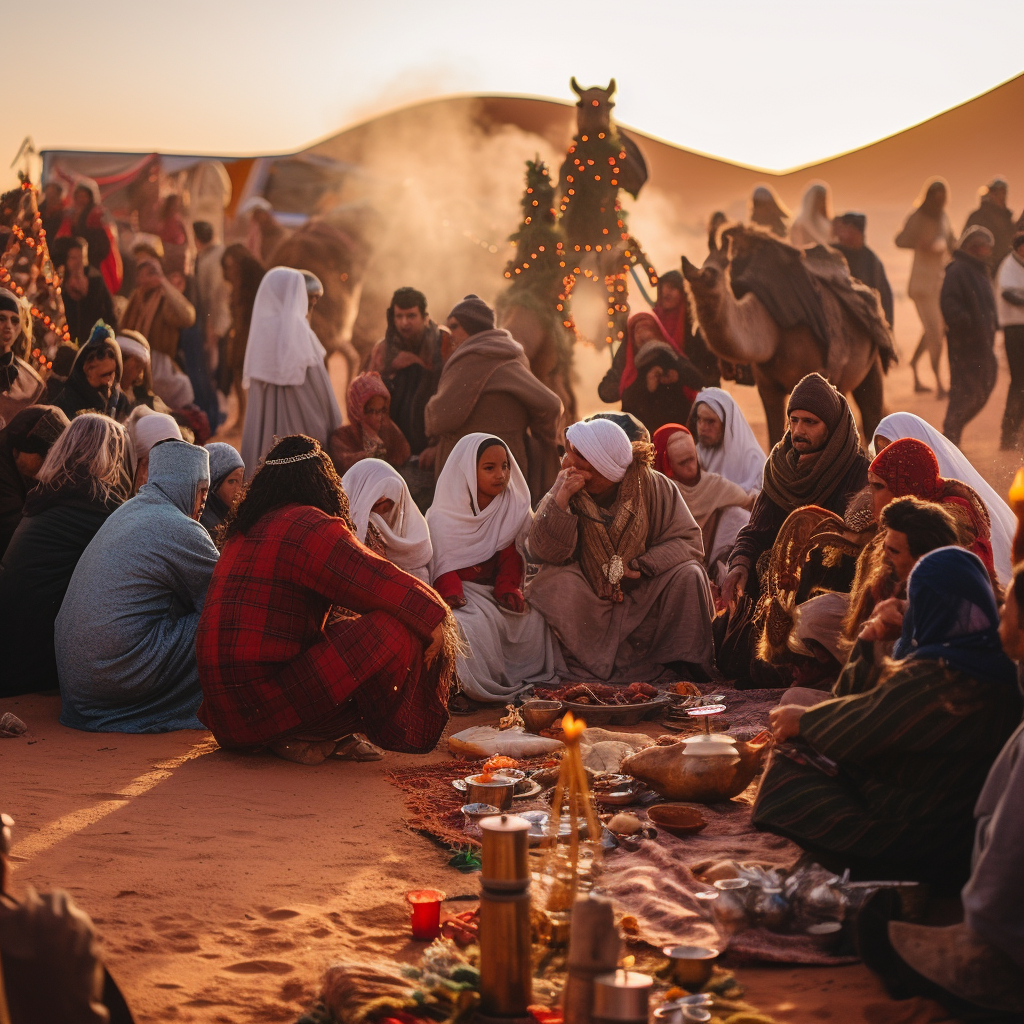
x: 426, y: 913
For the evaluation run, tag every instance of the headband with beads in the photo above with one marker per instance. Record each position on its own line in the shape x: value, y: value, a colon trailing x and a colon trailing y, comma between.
x: 294, y: 458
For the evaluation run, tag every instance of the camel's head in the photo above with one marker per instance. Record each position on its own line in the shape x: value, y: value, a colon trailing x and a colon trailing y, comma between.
x: 708, y: 278
x: 594, y: 108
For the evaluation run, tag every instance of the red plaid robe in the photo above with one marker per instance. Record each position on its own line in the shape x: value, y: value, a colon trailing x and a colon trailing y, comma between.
x: 270, y: 667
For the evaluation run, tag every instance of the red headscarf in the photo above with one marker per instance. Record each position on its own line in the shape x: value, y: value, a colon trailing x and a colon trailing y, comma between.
x: 361, y: 390
x: 909, y: 466
x: 629, y: 370
x: 661, y: 438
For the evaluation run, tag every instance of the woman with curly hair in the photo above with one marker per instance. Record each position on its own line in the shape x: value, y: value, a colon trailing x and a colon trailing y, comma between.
x: 309, y: 639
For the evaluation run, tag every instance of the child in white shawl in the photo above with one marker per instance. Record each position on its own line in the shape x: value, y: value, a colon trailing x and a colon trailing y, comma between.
x: 478, y: 525
x: 386, y: 518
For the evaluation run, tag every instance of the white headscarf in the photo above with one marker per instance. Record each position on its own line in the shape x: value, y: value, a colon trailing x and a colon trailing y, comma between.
x: 146, y: 428
x: 605, y: 445
x: 812, y: 227
x: 954, y: 465
x: 739, y: 457
x: 404, y: 530
x: 282, y: 345
x: 462, y: 534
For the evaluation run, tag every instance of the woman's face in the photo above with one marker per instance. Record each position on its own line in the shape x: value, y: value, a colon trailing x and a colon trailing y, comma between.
x: 1010, y: 633
x: 100, y: 371
x: 131, y: 373
x: 10, y: 328
x: 229, y: 487
x: 880, y: 494
x: 643, y: 333
x: 374, y: 413
x: 384, y: 508
x: 493, y: 472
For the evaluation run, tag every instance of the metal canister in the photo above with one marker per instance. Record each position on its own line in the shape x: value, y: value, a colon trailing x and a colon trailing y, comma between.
x: 506, y: 851
x: 506, y: 969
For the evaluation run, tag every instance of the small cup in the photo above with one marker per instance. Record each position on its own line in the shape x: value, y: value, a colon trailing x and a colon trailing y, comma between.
x: 827, y: 936
x: 426, y: 913
x: 691, y: 965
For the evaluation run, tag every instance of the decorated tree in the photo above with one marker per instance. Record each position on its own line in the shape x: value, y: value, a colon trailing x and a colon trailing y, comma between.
x: 27, y: 270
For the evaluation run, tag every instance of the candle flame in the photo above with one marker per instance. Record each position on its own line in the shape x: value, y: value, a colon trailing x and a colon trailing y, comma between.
x: 573, y: 728
x: 627, y: 962
x: 1017, y: 490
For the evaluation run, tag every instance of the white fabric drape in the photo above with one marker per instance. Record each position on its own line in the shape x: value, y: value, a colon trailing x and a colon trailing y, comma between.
x: 282, y: 345
x: 954, y: 465
x: 739, y: 458
x: 461, y: 534
x: 404, y: 530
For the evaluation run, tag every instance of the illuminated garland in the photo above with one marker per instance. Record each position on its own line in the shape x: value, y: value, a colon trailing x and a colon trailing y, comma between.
x: 50, y: 313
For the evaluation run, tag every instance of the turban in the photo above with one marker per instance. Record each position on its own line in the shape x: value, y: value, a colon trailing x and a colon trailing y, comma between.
x: 974, y: 234
x: 131, y: 343
x: 634, y: 429
x: 815, y: 395
x: 473, y: 314
x: 604, y: 445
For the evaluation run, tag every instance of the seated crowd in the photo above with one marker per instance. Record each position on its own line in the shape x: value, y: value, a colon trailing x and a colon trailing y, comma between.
x: 295, y: 597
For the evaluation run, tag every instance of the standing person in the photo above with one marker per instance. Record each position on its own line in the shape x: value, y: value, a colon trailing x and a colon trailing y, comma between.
x: 818, y: 462
x: 277, y: 670
x: 265, y: 234
x: 928, y: 232
x: 24, y: 445
x: 768, y: 211
x: 410, y: 359
x: 621, y: 583
x: 172, y: 232
x: 87, y: 219
x: 213, y: 293
x: 289, y: 390
x: 226, y: 476
x: 85, y: 295
x: 95, y: 378
x: 243, y: 273
x: 813, y: 224
x: 370, y: 433
x: 53, y: 208
x: 487, y: 387
x: 864, y: 265
x: 386, y: 518
x: 969, y: 310
x: 20, y: 385
x: 478, y: 526
x: 993, y: 213
x: 650, y: 375
x: 82, y: 481
x: 159, y: 311
x: 673, y: 313
x: 125, y: 637
x: 1010, y: 306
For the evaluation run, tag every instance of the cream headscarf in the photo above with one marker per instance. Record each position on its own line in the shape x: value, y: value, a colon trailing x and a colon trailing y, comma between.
x: 282, y: 345
x: 404, y: 530
x: 954, y: 465
x: 739, y: 457
x: 462, y: 535
x: 605, y: 445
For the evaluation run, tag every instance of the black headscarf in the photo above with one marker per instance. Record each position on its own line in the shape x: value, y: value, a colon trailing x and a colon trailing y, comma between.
x: 78, y: 394
x: 8, y: 364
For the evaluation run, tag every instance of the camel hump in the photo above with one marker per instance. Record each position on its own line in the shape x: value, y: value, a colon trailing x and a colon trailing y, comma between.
x: 857, y: 301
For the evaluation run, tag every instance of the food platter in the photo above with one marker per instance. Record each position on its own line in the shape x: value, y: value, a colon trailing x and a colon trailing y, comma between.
x: 616, y: 714
x: 529, y: 788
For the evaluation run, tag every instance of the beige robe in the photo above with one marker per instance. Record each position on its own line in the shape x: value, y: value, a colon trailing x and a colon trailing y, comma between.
x: 664, y: 618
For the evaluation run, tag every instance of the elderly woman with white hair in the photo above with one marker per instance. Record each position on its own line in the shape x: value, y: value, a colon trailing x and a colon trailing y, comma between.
x: 284, y: 373
x: 621, y: 583
x: 82, y: 481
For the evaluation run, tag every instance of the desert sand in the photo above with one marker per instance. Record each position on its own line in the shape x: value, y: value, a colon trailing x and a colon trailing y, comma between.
x: 222, y: 885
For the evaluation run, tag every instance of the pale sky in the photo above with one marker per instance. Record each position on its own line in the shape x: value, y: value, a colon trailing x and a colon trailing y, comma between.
x: 773, y: 85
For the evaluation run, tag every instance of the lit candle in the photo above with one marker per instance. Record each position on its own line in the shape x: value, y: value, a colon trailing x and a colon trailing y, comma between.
x: 622, y: 996
x: 426, y: 913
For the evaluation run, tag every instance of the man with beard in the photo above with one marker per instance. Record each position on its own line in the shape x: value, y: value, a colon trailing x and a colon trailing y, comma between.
x: 818, y: 462
x: 409, y: 358
x: 864, y: 265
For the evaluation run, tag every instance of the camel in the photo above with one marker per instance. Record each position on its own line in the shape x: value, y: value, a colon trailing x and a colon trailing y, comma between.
x: 854, y: 354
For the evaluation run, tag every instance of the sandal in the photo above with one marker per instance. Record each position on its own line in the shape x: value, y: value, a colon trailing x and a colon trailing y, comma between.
x: 309, y: 752
x: 357, y: 747
x: 460, y: 704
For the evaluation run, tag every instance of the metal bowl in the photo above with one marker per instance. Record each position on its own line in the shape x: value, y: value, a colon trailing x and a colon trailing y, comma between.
x: 497, y: 791
x: 691, y: 965
x: 540, y: 714
x: 678, y: 819
x: 475, y: 812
